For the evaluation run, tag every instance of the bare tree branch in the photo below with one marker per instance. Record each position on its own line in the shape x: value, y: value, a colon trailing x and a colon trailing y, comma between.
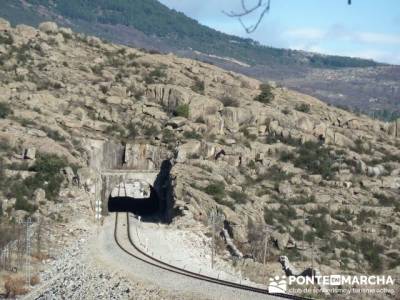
x: 263, y: 6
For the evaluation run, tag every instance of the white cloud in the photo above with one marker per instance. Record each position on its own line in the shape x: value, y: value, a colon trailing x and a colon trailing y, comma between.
x: 342, y: 34
x: 305, y: 33
x: 381, y: 38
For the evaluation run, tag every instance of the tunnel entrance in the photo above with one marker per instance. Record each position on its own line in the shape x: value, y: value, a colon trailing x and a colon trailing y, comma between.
x: 138, y: 206
x: 142, y: 192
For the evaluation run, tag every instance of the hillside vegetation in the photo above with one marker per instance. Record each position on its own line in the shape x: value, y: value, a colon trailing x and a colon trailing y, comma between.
x: 182, y: 32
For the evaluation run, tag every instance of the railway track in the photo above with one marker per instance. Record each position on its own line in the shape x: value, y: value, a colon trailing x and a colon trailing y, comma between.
x: 146, y: 258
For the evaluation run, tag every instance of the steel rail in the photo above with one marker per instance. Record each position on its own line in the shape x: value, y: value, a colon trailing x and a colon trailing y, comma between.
x: 168, y: 267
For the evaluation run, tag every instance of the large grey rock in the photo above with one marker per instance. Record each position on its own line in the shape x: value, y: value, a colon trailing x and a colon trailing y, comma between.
x: 69, y: 174
x: 187, y: 149
x: 376, y: 171
x: 280, y: 239
x: 177, y: 122
x: 4, y: 25
x: 39, y: 196
x: 48, y: 27
x: 30, y: 153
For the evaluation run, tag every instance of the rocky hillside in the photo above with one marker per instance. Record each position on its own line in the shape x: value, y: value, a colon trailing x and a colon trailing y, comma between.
x: 320, y: 177
x: 359, y: 84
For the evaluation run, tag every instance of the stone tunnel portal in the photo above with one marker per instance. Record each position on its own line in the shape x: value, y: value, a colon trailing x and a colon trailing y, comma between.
x: 136, y: 196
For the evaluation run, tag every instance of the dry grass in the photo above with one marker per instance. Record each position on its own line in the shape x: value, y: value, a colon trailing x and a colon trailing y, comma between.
x: 35, y: 280
x: 14, y: 286
x: 40, y: 256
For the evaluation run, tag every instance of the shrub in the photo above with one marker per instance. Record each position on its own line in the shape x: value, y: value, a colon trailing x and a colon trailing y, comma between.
x: 266, y: 95
x: 6, y: 39
x: 280, y: 216
x: 168, y: 136
x: 192, y: 135
x: 239, y: 197
x: 14, y: 286
x: 297, y: 234
x: 384, y: 200
x: 35, y: 280
x: 252, y: 165
x: 182, y: 110
x: 5, y: 146
x: 364, y: 214
x: 303, y: 107
x: 309, y: 237
x: 276, y: 174
x: 248, y: 135
x: 320, y: 224
x: 272, y: 138
x: 198, y: 86
x: 303, y: 200
x: 228, y: 101
x: 23, y: 204
x: 155, y: 75
x: 344, y: 215
x: 287, y: 156
x: 5, y: 110
x: 48, y: 175
x: 360, y: 147
x: 132, y: 131
x: 371, y: 251
x: 316, y: 159
x: 217, y: 190
x: 151, y: 131
x: 97, y: 69
x: 53, y: 134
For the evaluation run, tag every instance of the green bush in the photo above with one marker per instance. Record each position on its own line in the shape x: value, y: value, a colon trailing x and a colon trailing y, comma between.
x: 315, y: 159
x: 53, y: 134
x: 309, y: 237
x: 132, y: 131
x: 344, y: 215
x: 385, y: 200
x: 155, y: 76
x: 371, y: 251
x: 5, y: 110
x: 280, y: 216
x: 5, y: 146
x: 287, y: 156
x: 228, y: 101
x: 364, y: 215
x: 239, y: 197
x: 276, y: 174
x: 6, y: 39
x: 168, y: 136
x: 192, y: 135
x: 303, y: 200
x: 303, y: 107
x: 266, y: 95
x: 182, y: 110
x: 199, y: 86
x: 320, y: 224
x: 359, y: 147
x: 151, y: 131
x: 23, y: 204
x: 272, y: 138
x: 48, y: 177
x: 217, y: 190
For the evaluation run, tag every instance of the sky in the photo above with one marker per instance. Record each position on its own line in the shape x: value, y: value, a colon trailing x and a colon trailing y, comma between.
x: 367, y: 28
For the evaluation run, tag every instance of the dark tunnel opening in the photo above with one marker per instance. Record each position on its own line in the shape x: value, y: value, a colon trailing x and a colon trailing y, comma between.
x: 137, y: 206
x: 157, y: 206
